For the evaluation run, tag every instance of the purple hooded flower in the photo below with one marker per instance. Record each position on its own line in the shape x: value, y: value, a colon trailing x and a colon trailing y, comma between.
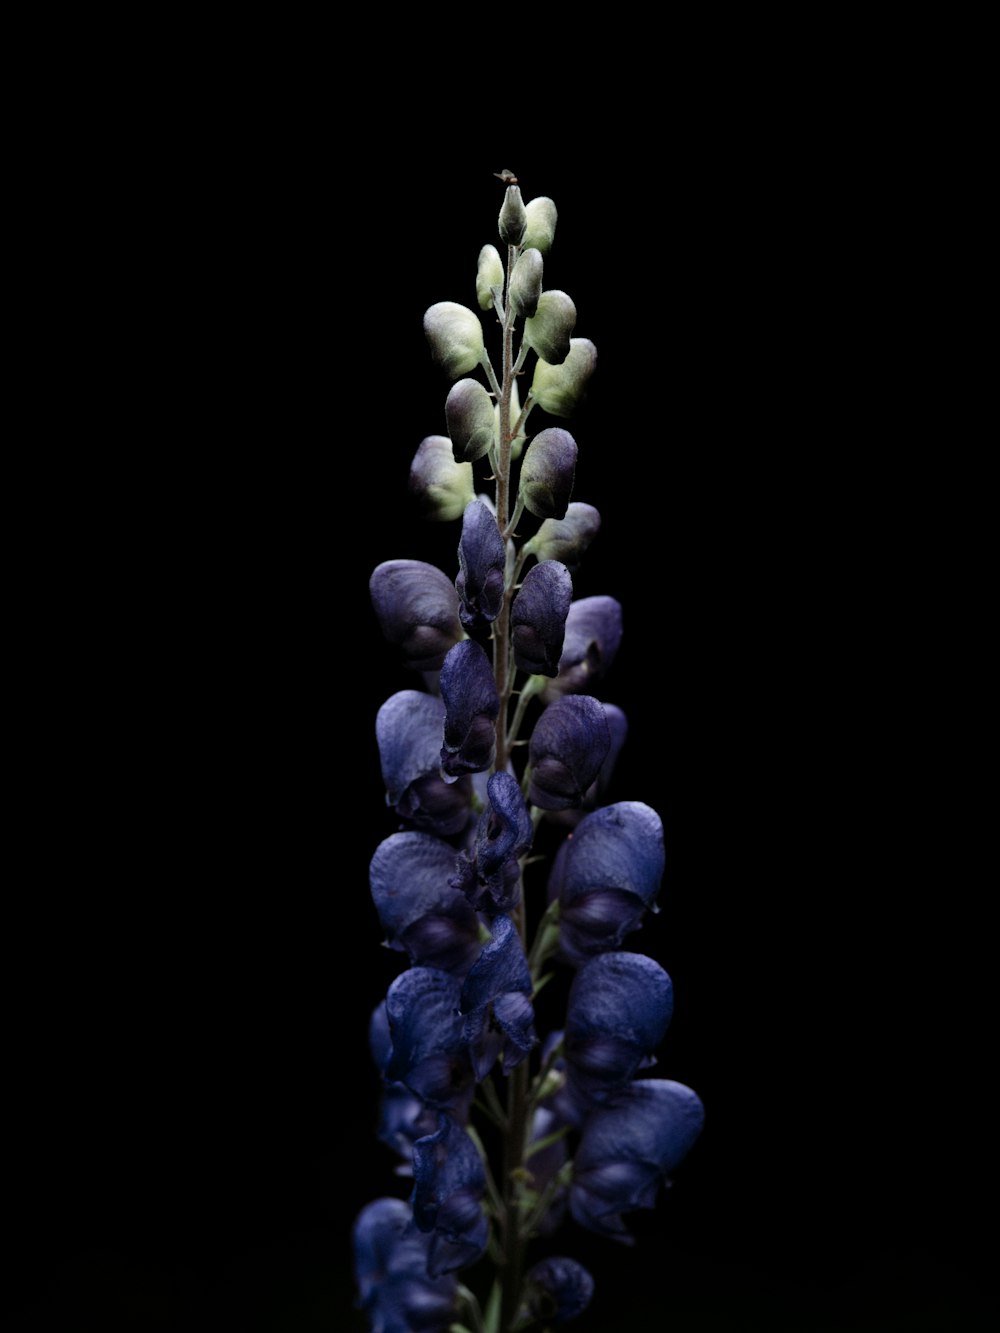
x: 496, y: 999
x: 557, y: 1289
x: 606, y: 876
x: 590, y: 645
x: 491, y: 877
x: 390, y: 1271
x: 594, y: 795
x: 538, y: 617
x: 429, y: 1048
x: 408, y: 728
x: 628, y: 1149
x: 472, y: 707
x: 482, y: 559
x: 417, y: 610
x: 419, y: 909
x: 617, y: 1014
x: 448, y: 1187
x: 403, y: 1117
x: 568, y: 746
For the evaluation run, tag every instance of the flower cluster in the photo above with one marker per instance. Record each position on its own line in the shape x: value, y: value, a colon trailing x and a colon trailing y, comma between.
x: 502, y: 1132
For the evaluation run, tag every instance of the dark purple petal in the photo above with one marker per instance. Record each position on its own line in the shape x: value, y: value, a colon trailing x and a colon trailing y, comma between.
x: 419, y: 909
x: 538, y: 617
x: 558, y: 1289
x: 409, y: 727
x: 497, y: 992
x: 547, y: 472
x: 569, y: 744
x: 472, y: 707
x: 448, y: 1186
x: 606, y: 876
x: 617, y: 1013
x: 590, y: 645
x: 628, y: 1148
x: 618, y: 726
x: 417, y: 610
x: 491, y: 877
x: 390, y: 1270
x: 481, y: 558
x: 429, y: 1051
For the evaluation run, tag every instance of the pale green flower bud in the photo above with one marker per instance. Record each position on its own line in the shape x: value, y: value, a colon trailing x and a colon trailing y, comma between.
x: 512, y: 216
x: 526, y: 282
x: 549, y: 329
x: 489, y: 275
x: 540, y: 231
x: 441, y: 486
x: 547, y: 473
x: 455, y: 336
x: 558, y: 389
x: 469, y: 413
x: 566, y: 539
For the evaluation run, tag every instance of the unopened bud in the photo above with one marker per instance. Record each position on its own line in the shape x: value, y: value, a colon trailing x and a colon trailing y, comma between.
x: 566, y: 539
x: 512, y: 216
x: 547, y: 473
x: 548, y: 330
x: 540, y: 231
x: 558, y: 389
x: 526, y: 282
x: 489, y: 276
x: 455, y: 336
x: 468, y: 410
x: 441, y: 486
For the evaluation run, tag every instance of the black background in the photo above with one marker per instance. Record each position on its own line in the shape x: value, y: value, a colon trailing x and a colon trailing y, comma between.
x: 192, y: 954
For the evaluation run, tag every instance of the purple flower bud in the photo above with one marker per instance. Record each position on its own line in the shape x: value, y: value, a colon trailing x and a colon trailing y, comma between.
x: 390, y: 1270
x: 593, y: 637
x: 557, y: 1289
x: 569, y: 744
x: 538, y: 617
x: 408, y: 728
x: 617, y: 1013
x: 472, y: 707
x: 429, y: 1049
x: 420, y: 911
x: 417, y: 609
x: 469, y: 413
x: 628, y: 1149
x: 549, y: 329
x: 606, y: 876
x: 491, y: 877
x: 448, y: 1186
x: 482, y: 560
x: 547, y: 473
x: 618, y: 727
x: 496, y: 997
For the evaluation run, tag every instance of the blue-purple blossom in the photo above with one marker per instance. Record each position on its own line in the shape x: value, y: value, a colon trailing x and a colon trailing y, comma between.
x: 594, y: 795
x: 606, y: 876
x: 496, y: 999
x: 408, y: 728
x: 538, y: 618
x: 448, y: 1187
x: 429, y: 1048
x: 590, y: 645
x: 557, y: 1289
x: 547, y: 473
x: 403, y: 1117
x: 417, y: 610
x: 628, y: 1149
x: 491, y: 877
x: 390, y: 1271
x: 617, y: 1014
x: 481, y: 558
x: 472, y: 707
x: 568, y: 746
x: 419, y: 909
